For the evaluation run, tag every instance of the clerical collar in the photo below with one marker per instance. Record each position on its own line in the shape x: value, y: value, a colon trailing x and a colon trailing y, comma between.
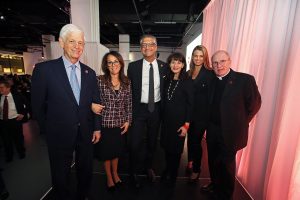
x: 222, y: 77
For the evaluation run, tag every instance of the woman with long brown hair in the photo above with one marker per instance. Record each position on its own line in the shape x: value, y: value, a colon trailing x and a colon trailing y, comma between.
x: 115, y: 96
x: 201, y: 74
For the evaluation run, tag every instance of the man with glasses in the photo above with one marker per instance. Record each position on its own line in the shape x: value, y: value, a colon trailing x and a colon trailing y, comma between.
x: 62, y: 93
x: 234, y: 100
x: 146, y: 77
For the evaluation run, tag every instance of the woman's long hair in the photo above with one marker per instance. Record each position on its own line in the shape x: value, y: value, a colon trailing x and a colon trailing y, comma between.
x: 178, y: 57
x: 124, y: 81
x: 205, y: 59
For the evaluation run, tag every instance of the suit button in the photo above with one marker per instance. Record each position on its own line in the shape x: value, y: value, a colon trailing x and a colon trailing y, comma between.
x: 78, y: 124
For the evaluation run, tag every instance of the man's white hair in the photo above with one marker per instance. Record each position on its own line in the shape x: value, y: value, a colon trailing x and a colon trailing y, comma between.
x: 67, y: 29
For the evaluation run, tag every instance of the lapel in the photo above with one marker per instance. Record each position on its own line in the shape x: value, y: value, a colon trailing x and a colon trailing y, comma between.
x: 62, y: 77
x: 139, y: 73
x: 84, y: 84
x: 161, y: 75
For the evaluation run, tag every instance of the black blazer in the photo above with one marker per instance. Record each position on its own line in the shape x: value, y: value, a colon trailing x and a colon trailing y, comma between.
x: 55, y: 107
x: 134, y: 73
x: 200, y: 89
x: 20, y: 104
x: 241, y: 100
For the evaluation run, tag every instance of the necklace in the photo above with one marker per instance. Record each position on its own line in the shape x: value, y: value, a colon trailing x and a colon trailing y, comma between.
x: 169, y: 96
x: 115, y: 85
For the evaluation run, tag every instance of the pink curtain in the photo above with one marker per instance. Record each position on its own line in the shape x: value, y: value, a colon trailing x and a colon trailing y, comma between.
x: 263, y: 38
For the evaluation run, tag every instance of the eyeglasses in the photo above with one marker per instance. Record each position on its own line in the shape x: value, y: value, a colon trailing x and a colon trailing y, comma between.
x: 74, y: 43
x: 145, y: 45
x: 221, y: 62
x: 110, y: 63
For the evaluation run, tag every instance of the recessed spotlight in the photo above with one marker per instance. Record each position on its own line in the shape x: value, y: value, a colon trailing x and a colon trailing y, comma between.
x: 2, y: 17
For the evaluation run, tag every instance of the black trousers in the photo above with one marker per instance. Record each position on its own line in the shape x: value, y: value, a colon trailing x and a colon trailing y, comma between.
x: 12, y: 134
x: 142, y: 122
x: 195, y: 135
x: 222, y: 163
x: 172, y: 165
x: 60, y: 164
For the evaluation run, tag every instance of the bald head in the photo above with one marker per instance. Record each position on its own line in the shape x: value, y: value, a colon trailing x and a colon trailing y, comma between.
x: 221, y: 62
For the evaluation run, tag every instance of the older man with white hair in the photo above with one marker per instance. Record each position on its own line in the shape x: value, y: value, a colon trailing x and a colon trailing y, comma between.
x: 62, y: 93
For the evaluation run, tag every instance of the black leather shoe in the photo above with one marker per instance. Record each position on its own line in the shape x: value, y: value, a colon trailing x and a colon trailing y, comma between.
x: 22, y: 156
x: 111, y: 189
x: 194, y: 177
x: 119, y: 183
x: 4, y: 195
x: 188, y: 170
x: 208, y: 188
x: 151, y: 175
x: 134, y: 180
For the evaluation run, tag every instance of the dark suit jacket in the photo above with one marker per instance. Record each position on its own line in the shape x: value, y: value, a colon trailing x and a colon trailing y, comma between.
x: 201, y: 85
x: 134, y: 73
x: 20, y: 104
x: 55, y: 107
x: 241, y: 100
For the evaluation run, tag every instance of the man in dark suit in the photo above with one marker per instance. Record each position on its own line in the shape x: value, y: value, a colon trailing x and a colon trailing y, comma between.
x: 13, y: 112
x: 146, y: 77
x: 62, y: 93
x: 234, y: 100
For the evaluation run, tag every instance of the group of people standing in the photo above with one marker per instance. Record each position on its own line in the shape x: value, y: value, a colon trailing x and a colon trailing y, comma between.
x: 76, y: 109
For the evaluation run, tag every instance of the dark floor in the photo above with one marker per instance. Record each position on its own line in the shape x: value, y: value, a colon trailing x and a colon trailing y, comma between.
x: 29, y: 179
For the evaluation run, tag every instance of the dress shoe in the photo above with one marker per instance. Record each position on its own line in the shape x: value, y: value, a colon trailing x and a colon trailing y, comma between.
x: 22, y: 156
x: 8, y: 160
x: 194, y: 177
x: 188, y: 170
x: 119, y: 183
x: 164, y: 176
x: 4, y: 195
x: 135, y: 182
x: 151, y: 175
x: 208, y: 188
x: 111, y: 188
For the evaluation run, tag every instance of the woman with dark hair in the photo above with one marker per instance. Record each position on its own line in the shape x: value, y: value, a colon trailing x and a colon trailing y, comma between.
x: 115, y: 96
x: 201, y: 73
x: 177, y: 110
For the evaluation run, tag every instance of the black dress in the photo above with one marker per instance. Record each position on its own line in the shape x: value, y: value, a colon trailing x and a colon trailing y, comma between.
x: 177, y: 109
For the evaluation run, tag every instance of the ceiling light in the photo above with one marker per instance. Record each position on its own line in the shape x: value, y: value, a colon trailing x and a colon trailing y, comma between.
x: 164, y: 22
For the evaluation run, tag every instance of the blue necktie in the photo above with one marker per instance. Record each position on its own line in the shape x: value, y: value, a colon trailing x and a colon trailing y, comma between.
x: 74, y: 83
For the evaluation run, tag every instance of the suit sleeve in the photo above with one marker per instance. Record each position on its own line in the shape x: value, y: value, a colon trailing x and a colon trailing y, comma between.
x: 129, y: 75
x: 39, y: 95
x: 253, y: 98
x: 96, y: 99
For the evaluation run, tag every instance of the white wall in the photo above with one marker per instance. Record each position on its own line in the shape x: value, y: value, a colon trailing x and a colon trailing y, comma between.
x: 30, y: 59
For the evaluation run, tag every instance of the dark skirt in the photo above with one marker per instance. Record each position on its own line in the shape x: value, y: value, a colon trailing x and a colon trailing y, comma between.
x: 110, y: 145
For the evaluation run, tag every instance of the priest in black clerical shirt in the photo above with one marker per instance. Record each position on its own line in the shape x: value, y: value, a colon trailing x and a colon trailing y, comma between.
x: 234, y: 100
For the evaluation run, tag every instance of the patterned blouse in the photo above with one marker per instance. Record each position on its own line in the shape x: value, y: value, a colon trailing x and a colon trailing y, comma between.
x: 118, y: 104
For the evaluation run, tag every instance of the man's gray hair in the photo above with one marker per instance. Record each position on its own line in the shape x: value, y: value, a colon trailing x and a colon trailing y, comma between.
x: 148, y: 36
x: 67, y: 29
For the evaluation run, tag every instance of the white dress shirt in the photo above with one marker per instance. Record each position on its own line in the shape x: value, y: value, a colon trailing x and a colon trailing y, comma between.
x: 145, y: 81
x: 12, y: 110
x: 68, y: 67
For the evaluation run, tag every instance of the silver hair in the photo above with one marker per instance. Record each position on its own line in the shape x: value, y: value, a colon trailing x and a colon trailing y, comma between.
x: 220, y: 51
x: 67, y: 29
x: 148, y: 36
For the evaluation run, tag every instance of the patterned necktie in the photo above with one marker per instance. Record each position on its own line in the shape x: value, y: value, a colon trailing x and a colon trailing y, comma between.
x: 5, y: 109
x: 74, y: 83
x: 151, y: 90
